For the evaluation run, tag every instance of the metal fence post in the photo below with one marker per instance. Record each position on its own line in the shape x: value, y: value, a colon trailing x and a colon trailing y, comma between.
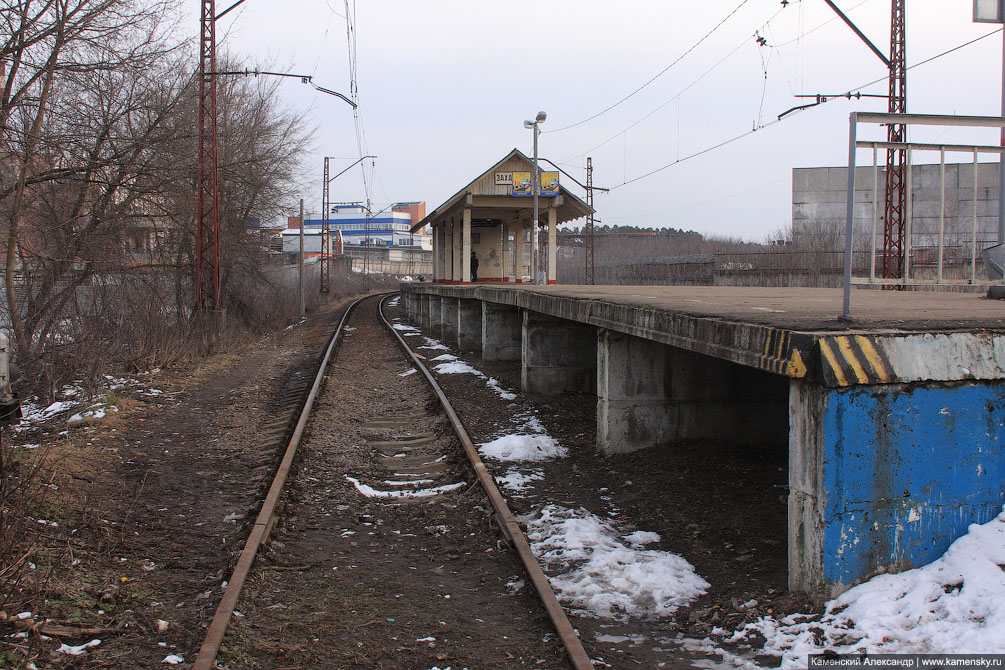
x: 852, y: 136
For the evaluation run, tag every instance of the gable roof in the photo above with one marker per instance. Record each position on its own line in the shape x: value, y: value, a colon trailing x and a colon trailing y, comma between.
x: 483, y: 184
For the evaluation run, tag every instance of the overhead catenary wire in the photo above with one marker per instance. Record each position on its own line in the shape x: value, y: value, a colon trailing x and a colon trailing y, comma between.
x: 786, y: 117
x: 676, y: 97
x: 657, y: 76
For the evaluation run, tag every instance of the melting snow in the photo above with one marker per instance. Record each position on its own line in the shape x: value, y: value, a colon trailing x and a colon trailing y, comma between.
x: 514, y: 480
x: 371, y: 492
x: 77, y: 651
x: 523, y: 448
x: 953, y: 605
x: 601, y: 575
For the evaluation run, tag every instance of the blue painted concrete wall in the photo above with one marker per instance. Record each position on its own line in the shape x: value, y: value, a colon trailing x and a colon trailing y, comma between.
x: 906, y: 471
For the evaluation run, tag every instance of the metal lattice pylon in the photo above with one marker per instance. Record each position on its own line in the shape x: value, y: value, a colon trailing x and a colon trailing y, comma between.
x: 207, y: 264
x: 895, y: 221
x: 325, y: 232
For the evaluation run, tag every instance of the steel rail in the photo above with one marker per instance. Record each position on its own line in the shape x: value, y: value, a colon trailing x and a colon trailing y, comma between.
x: 510, y: 527
x: 266, y: 517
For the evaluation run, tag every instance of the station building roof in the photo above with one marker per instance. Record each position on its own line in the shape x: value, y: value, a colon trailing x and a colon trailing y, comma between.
x: 491, y: 200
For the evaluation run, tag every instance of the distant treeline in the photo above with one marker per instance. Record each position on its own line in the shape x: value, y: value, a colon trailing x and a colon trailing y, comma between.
x: 633, y: 230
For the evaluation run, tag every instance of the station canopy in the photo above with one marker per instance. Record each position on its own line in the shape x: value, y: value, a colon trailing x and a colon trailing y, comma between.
x: 503, y: 193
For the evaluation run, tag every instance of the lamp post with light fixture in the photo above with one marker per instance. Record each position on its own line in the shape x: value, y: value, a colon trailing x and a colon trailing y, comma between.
x: 536, y: 187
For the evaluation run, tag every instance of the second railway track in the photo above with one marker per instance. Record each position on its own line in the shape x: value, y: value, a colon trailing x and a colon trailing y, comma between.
x: 389, y: 554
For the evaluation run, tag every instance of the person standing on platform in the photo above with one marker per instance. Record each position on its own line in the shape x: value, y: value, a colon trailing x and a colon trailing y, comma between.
x: 474, y: 267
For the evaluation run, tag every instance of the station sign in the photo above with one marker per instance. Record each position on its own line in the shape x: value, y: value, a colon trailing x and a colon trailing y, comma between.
x: 504, y: 178
x: 549, y: 184
x: 522, y: 184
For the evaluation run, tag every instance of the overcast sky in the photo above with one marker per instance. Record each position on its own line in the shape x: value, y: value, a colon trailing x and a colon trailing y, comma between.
x: 444, y: 87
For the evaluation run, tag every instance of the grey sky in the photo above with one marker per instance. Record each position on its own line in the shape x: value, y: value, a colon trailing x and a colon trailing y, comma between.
x: 445, y: 85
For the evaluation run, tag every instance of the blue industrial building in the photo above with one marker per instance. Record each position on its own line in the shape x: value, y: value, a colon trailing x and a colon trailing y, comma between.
x: 385, y: 229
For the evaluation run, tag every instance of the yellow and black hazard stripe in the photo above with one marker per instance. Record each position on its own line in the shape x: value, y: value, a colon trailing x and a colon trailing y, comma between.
x: 781, y: 356
x: 847, y: 360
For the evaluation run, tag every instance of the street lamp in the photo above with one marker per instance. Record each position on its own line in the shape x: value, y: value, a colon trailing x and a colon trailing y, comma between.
x: 536, y: 186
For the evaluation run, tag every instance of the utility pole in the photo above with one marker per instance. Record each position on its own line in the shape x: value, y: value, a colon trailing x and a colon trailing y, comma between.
x: 896, y: 159
x: 207, y: 263
x: 366, y: 245
x: 895, y: 206
x: 300, y: 263
x: 326, y: 206
x: 588, y: 237
x: 411, y: 253
x: 325, y: 232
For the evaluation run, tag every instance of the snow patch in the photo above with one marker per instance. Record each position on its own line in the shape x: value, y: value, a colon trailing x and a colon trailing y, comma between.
x: 457, y: 368
x: 955, y: 604
x: 515, y: 480
x: 523, y: 448
x: 600, y: 575
x: 77, y: 651
x: 371, y: 492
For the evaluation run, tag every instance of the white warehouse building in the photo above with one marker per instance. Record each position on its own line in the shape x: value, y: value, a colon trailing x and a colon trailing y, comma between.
x: 386, y: 229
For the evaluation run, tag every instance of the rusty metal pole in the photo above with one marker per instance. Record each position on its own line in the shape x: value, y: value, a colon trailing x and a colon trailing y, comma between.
x: 207, y: 265
x: 896, y: 222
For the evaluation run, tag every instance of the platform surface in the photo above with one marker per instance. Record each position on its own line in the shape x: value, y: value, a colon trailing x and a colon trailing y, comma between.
x: 894, y: 337
x: 797, y: 309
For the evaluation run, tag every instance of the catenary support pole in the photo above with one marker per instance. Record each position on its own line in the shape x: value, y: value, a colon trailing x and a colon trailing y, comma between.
x: 300, y: 262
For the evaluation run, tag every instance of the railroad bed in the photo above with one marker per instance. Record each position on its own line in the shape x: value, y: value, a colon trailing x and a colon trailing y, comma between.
x: 389, y: 554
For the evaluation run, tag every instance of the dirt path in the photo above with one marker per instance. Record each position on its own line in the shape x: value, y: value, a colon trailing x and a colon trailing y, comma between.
x: 153, y: 505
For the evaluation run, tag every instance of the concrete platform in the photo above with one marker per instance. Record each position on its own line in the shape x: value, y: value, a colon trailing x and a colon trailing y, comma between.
x: 780, y: 330
x: 895, y: 422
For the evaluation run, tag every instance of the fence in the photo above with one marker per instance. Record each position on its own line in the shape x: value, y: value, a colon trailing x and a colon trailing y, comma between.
x: 934, y: 258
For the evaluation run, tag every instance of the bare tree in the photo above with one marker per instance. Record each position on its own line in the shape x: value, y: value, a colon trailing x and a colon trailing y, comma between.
x: 77, y: 114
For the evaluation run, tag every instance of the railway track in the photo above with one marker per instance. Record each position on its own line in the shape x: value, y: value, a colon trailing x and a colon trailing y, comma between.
x: 375, y: 458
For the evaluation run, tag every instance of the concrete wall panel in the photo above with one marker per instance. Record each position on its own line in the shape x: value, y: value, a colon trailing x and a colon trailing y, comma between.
x: 904, y: 471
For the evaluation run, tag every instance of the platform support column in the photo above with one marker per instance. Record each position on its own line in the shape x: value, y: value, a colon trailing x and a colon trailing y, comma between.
x: 518, y: 252
x: 502, y: 328
x: 650, y: 393
x: 466, y: 247
x: 633, y: 399
x: 443, y: 253
x: 558, y: 356
x: 424, y: 312
x: 447, y: 252
x: 469, y: 324
x: 507, y: 269
x: 448, y: 320
x: 457, y: 275
x: 435, y: 304
x: 437, y: 249
x: 552, y: 245
x: 884, y: 478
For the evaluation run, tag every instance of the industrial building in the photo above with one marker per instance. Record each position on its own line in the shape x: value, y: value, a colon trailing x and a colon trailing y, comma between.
x: 384, y: 229
x: 820, y: 200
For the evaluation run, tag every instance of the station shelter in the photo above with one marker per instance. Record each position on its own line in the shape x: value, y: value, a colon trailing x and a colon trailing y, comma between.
x: 492, y: 218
